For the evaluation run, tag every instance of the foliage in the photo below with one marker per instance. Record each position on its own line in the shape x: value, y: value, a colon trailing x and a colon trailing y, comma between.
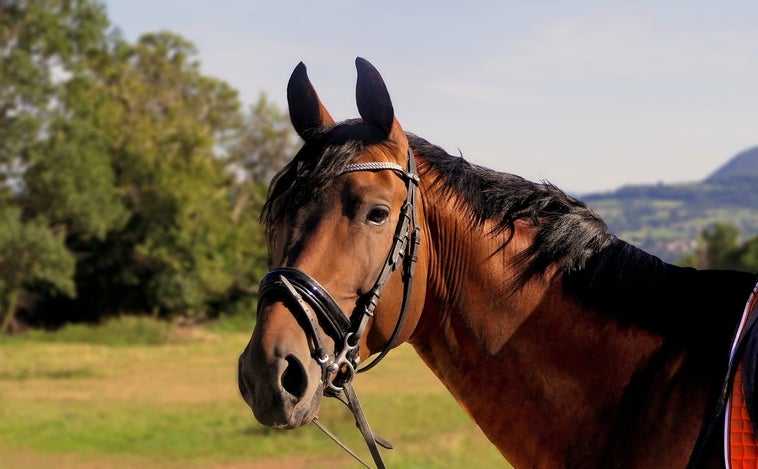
x: 165, y: 116
x: 237, y: 322
x: 31, y: 255
x: 39, y: 41
x: 264, y: 144
x: 122, y: 331
x: 261, y: 146
x: 144, y: 169
x: 720, y: 248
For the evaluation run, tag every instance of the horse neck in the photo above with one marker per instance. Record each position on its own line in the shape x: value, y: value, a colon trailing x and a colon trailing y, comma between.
x: 544, y: 365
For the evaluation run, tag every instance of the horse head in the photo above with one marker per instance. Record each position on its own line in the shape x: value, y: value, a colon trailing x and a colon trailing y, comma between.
x: 342, y: 231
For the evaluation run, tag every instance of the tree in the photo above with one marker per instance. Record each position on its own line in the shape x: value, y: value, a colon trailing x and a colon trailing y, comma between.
x: 31, y: 255
x: 721, y: 246
x: 126, y: 161
x: 720, y: 249
x: 750, y: 254
x: 39, y: 41
x: 71, y: 182
x: 263, y: 145
x: 160, y: 236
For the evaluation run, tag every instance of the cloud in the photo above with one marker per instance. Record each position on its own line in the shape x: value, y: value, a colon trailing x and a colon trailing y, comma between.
x: 628, y: 44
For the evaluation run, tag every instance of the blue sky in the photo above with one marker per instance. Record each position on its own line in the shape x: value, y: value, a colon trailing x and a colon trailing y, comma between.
x: 589, y: 95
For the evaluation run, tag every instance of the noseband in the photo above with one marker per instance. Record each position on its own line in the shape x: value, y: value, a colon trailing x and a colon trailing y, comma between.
x: 315, y: 305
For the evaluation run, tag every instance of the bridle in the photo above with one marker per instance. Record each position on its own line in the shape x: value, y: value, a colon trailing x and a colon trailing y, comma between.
x: 315, y: 304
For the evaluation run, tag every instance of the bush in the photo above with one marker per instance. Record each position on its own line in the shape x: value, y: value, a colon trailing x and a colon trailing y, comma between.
x: 125, y: 330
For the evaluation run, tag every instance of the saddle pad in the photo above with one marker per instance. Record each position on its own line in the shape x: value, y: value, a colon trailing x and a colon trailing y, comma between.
x: 741, y: 444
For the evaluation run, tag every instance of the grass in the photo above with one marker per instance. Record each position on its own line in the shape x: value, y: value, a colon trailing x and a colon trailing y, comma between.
x: 173, y: 403
x: 123, y: 331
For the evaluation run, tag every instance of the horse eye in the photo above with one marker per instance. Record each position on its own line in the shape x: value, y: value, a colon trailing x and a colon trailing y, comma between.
x: 378, y: 215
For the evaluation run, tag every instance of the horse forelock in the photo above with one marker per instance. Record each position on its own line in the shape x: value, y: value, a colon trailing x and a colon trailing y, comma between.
x: 322, y: 157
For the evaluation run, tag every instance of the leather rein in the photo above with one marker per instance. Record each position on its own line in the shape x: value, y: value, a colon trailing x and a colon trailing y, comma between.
x: 316, y: 306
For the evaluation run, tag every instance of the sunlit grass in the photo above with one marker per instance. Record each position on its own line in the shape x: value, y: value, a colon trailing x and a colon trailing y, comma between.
x: 176, y: 404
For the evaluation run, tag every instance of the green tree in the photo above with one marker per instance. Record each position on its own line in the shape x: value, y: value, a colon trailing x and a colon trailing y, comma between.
x: 263, y: 145
x: 39, y: 41
x: 31, y: 255
x: 71, y: 182
x: 162, y: 238
x: 720, y: 248
x: 749, y: 255
x: 721, y: 245
x: 141, y: 168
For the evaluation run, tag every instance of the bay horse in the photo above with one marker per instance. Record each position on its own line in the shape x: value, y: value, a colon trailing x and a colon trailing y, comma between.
x: 566, y: 345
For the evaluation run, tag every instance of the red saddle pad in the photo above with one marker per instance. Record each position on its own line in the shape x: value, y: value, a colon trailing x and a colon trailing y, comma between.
x: 742, y: 446
x: 740, y: 443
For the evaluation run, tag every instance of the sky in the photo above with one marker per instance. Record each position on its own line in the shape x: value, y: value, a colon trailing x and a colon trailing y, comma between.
x: 588, y: 95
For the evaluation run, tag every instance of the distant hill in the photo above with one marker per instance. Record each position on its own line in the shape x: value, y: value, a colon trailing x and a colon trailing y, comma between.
x: 666, y: 220
x: 743, y: 164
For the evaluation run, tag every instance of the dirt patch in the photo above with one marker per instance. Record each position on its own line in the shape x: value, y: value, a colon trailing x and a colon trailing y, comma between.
x: 21, y: 458
x: 291, y: 462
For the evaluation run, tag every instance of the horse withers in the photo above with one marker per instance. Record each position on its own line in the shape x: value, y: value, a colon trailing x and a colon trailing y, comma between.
x: 566, y: 345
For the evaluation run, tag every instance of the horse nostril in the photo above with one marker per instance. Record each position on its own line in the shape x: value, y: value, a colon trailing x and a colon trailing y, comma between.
x: 293, y: 378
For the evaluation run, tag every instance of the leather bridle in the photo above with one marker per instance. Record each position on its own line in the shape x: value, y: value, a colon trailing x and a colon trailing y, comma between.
x: 316, y: 306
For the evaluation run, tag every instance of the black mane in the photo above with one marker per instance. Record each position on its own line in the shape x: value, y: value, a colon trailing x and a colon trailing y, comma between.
x: 566, y: 229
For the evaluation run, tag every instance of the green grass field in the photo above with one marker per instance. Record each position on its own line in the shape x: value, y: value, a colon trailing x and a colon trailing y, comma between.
x: 69, y: 401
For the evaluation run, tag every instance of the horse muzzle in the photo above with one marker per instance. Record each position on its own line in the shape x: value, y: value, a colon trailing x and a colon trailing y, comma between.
x: 282, y: 389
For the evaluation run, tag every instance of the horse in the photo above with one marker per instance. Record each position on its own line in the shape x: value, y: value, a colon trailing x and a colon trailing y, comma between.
x: 566, y: 345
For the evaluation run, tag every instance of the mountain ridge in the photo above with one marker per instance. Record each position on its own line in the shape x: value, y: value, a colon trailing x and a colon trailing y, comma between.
x: 744, y: 163
x: 667, y: 219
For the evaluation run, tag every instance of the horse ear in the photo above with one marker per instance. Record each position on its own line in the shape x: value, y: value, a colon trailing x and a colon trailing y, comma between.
x: 307, y: 113
x: 374, y: 103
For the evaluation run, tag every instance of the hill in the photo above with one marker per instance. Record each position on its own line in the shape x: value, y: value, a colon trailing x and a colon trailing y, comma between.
x: 666, y: 220
x: 743, y: 164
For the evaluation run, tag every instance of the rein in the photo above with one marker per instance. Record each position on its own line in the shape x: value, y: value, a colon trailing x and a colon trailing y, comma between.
x: 315, y: 305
